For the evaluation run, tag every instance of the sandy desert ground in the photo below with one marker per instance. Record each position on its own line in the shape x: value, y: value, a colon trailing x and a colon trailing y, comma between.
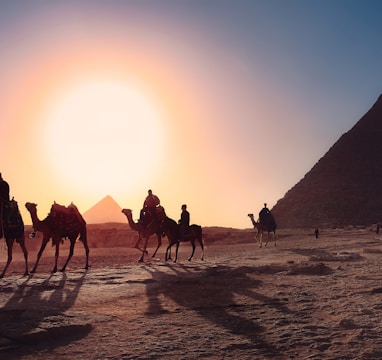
x: 306, y: 298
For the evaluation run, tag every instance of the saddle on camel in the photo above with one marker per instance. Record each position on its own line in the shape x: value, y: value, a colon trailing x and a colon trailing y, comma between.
x: 150, y: 217
x: 11, y: 221
x: 65, y: 216
x: 266, y: 219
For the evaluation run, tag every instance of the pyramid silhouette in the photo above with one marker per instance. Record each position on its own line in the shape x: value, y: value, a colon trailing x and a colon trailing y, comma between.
x: 344, y: 186
x: 106, y: 210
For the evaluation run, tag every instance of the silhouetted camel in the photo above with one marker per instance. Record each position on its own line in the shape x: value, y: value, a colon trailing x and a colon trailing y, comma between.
x: 13, y: 229
x: 144, y: 232
x: 269, y: 226
x: 60, y: 223
x: 171, y: 229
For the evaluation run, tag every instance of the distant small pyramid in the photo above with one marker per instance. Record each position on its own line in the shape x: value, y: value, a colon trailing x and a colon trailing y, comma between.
x: 106, y: 210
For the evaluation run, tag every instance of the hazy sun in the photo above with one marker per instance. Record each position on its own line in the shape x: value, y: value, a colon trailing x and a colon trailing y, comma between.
x: 103, y: 136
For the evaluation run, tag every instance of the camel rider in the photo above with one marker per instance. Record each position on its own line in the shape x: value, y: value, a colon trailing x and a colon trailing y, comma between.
x: 150, y: 205
x: 184, y: 223
x: 4, y: 195
x: 263, y: 214
x: 4, y: 190
x: 4, y: 199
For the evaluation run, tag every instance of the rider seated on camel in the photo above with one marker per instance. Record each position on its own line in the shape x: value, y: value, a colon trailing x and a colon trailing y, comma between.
x: 184, y: 223
x: 149, y: 211
x: 4, y: 199
x: 264, y: 214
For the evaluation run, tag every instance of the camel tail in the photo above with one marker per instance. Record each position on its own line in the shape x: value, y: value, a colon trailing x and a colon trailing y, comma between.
x: 198, y: 232
x: 83, y: 234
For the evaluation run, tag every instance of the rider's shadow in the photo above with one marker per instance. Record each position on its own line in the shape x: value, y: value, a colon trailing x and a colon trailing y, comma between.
x: 34, y: 316
x: 215, y: 298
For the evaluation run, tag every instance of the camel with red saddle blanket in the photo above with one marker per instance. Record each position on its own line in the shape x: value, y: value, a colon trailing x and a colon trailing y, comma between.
x: 62, y: 222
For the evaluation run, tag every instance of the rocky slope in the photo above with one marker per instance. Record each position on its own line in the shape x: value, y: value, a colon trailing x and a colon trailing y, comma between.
x: 344, y: 186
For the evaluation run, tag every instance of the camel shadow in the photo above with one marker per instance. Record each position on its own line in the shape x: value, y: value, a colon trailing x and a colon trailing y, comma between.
x: 218, y: 295
x: 34, y: 318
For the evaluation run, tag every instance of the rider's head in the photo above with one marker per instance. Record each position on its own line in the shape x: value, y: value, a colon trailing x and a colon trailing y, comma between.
x: 184, y: 207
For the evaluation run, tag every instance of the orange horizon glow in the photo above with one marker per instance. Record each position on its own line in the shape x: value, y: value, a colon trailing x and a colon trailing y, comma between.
x: 47, y: 82
x: 207, y: 104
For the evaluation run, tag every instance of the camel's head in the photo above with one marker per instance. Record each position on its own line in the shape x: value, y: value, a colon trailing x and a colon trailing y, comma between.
x: 31, y: 206
x: 127, y: 212
x: 250, y: 215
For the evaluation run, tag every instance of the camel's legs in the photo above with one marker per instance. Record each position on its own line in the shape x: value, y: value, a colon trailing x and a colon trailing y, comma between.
x: 144, y: 251
x: 168, y: 252
x: 259, y: 232
x: 261, y: 239
x: 25, y: 252
x: 42, y: 248
x: 137, y: 243
x: 57, y: 253
x: 9, y: 243
x: 159, y: 244
x: 202, y: 247
x: 85, y: 242
x: 176, y: 251
x: 71, y: 252
x: 84, y: 239
x: 193, y: 249
x: 267, y: 239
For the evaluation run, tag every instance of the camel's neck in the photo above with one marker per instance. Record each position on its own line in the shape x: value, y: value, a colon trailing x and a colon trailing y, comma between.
x: 132, y: 224
x: 35, y: 220
x: 253, y: 221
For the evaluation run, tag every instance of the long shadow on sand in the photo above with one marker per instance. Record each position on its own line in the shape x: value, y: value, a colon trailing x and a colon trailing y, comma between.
x: 214, y: 295
x: 33, y: 319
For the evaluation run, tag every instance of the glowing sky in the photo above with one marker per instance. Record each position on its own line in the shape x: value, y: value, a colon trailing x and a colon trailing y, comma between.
x: 222, y: 105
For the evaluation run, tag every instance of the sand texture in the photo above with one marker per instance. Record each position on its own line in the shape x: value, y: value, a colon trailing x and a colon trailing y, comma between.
x: 305, y: 298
